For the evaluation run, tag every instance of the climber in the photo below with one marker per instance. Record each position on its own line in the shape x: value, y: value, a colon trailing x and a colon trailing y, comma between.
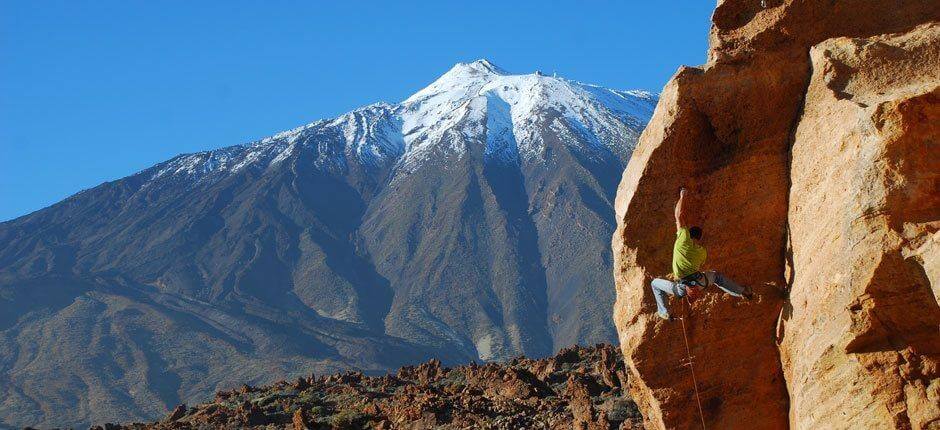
x: 688, y: 256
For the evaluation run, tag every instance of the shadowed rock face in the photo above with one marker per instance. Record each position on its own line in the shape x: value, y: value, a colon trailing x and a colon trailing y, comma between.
x: 784, y: 129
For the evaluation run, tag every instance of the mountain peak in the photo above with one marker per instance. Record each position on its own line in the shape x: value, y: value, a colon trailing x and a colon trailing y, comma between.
x: 478, y: 68
x: 463, y: 78
x: 482, y: 65
x: 405, y: 133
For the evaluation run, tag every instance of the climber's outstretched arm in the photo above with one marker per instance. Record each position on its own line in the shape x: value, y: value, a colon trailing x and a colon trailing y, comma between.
x: 680, y: 210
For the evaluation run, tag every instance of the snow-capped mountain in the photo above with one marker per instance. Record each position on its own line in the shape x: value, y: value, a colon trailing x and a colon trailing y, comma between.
x: 479, y: 95
x: 470, y: 221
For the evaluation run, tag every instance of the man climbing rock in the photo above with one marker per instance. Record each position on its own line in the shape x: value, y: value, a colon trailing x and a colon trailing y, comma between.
x: 688, y: 256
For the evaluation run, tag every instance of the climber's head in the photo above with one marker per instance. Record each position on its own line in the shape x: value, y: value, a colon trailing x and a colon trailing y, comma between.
x: 695, y: 232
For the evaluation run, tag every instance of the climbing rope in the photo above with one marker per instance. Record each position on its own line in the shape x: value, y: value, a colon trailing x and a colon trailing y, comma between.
x: 688, y: 351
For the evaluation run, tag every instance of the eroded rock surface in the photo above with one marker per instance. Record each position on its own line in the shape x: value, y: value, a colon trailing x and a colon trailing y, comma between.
x: 861, y: 338
x: 856, y: 342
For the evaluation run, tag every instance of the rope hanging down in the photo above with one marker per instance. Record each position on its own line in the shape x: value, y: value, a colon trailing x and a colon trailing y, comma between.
x: 688, y: 351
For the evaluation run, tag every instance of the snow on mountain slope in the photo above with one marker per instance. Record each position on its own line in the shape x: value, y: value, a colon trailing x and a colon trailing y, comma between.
x: 471, y: 221
x: 402, y: 135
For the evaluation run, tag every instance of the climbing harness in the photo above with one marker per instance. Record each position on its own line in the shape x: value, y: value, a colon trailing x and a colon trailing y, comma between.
x: 688, y: 351
x: 695, y: 279
x: 694, y: 287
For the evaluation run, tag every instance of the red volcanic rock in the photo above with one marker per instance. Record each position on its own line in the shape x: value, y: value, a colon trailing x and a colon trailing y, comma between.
x: 429, y: 372
x: 300, y: 420
x: 570, y: 393
x: 579, y: 392
x: 178, y: 412
x: 301, y: 384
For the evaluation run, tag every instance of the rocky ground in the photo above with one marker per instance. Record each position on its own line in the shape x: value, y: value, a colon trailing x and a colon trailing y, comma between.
x: 577, y: 388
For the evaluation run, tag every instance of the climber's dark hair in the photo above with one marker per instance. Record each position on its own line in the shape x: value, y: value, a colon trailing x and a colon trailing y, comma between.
x: 695, y: 232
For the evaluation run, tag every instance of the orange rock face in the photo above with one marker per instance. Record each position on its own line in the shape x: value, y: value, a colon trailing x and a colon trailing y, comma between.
x: 861, y: 338
x: 815, y: 165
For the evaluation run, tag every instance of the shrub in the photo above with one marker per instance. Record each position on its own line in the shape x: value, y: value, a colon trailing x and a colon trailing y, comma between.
x: 349, y: 419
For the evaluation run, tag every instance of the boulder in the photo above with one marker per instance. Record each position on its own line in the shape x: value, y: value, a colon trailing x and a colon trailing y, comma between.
x: 578, y: 391
x: 726, y: 130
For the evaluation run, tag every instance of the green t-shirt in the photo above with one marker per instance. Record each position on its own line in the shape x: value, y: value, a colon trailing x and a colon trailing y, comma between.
x: 687, y: 256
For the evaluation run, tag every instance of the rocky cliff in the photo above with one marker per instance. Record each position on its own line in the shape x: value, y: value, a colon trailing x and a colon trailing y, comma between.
x: 810, y: 138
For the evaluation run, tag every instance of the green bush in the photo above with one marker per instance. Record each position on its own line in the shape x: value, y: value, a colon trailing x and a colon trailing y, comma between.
x: 349, y: 419
x: 319, y: 411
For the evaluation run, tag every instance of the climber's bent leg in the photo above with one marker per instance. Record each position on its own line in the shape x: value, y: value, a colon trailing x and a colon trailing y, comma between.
x: 661, y: 288
x: 726, y: 284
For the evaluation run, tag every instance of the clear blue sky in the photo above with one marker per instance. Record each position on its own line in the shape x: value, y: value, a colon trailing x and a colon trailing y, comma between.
x: 92, y: 91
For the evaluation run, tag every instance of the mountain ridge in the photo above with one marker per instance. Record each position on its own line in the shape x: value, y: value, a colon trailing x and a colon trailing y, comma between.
x: 367, y: 241
x: 470, y: 80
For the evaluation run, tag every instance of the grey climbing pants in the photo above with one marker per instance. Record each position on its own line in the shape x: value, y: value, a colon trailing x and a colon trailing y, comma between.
x: 661, y: 287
